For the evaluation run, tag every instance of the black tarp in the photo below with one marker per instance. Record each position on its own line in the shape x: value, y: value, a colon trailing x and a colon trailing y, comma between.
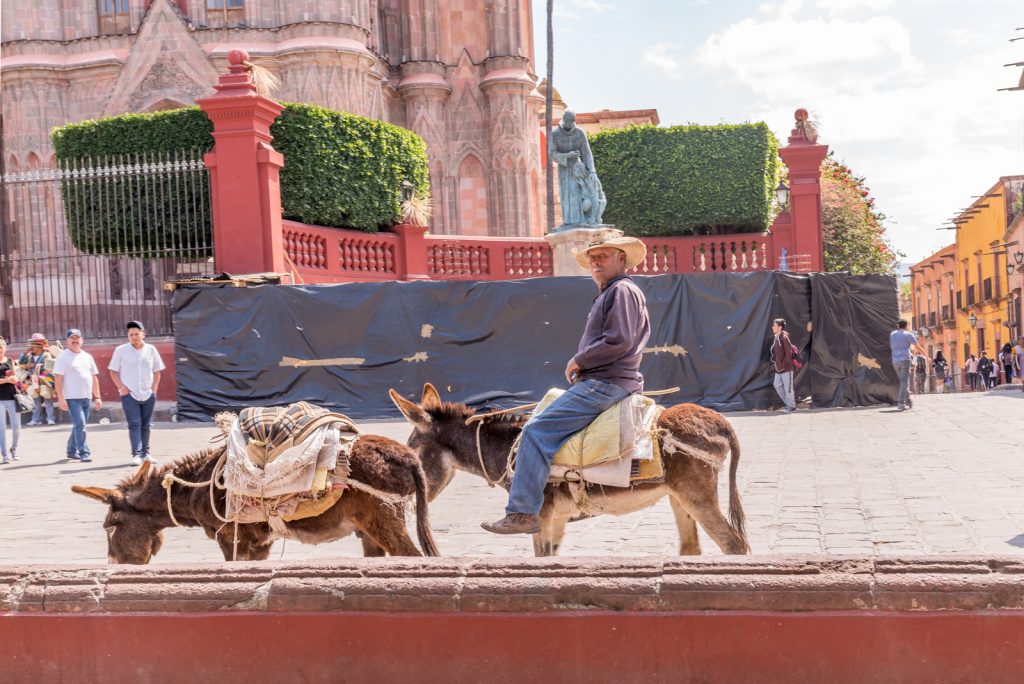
x: 500, y: 343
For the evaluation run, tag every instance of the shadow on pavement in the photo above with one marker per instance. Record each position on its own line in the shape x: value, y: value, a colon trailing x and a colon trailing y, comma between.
x: 1016, y: 541
x: 95, y: 469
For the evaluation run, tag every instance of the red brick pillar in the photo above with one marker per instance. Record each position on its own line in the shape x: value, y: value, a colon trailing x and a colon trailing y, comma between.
x: 412, y: 262
x: 244, y: 175
x: 803, y: 156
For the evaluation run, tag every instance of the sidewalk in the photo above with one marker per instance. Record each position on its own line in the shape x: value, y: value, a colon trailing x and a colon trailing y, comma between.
x: 946, y: 477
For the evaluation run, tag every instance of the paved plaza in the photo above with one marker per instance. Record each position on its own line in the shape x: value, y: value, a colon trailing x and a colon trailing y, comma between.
x: 946, y: 477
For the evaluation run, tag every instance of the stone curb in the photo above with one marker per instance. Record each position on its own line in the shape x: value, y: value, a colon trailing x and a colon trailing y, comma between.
x: 467, y: 585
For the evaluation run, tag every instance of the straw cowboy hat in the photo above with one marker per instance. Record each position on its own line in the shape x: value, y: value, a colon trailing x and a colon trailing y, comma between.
x: 635, y: 250
x: 38, y: 338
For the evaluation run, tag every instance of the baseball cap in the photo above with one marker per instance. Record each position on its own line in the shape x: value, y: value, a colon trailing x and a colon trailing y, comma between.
x: 135, y: 324
x: 74, y: 332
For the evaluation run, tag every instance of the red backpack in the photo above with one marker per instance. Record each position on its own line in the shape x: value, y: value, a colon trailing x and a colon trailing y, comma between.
x: 797, y: 363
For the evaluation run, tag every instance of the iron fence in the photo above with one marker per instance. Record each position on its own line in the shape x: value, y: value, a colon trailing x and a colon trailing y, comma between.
x: 89, y: 244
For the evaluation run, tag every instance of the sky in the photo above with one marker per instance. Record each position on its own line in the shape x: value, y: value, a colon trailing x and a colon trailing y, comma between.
x: 904, y: 91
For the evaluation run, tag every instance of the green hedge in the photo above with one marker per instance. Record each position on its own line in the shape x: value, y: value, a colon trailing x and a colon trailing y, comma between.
x: 681, y: 179
x: 340, y: 170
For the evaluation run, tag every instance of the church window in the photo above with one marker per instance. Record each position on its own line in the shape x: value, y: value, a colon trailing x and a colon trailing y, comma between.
x: 225, y: 12
x: 114, y: 16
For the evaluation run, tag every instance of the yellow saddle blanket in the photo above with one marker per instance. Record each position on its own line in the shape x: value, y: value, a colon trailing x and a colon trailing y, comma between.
x: 618, y: 449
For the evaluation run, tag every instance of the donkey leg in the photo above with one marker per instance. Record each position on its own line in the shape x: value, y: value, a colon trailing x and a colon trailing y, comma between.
x: 385, y: 527
x: 370, y: 548
x: 689, y: 542
x: 542, y: 541
x: 706, y: 512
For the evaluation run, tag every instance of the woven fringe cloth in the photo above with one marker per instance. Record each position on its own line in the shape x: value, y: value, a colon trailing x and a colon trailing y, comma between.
x: 281, y: 457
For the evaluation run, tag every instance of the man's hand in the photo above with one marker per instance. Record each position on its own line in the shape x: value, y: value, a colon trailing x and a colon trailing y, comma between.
x: 572, y: 369
x: 97, y: 403
x: 62, y: 404
x: 123, y: 391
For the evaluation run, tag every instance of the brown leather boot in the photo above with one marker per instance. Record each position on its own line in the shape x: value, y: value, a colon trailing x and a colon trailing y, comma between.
x: 514, y: 523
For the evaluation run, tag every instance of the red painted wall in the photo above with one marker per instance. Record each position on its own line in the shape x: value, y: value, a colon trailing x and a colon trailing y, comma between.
x: 834, y: 647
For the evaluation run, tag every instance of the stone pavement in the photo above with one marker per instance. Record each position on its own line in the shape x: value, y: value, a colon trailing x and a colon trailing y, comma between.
x: 946, y: 477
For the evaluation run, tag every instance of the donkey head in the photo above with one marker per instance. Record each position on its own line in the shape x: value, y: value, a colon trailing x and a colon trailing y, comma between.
x: 429, y: 422
x: 441, y: 434
x: 134, y: 535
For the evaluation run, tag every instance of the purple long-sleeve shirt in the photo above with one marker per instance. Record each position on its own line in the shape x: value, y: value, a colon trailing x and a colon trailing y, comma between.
x: 614, y: 338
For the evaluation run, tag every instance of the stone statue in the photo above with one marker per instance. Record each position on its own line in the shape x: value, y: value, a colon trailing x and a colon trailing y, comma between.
x: 579, y: 190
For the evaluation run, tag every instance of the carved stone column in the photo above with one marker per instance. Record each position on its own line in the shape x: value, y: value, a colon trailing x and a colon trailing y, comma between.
x: 514, y: 148
x: 425, y: 90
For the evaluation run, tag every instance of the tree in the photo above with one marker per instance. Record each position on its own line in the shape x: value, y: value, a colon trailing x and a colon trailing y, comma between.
x: 548, y: 175
x: 854, y: 230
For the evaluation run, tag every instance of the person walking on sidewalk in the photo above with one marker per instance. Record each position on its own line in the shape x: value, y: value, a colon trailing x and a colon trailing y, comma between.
x: 135, y: 368
x: 939, y: 366
x: 903, y: 343
x: 8, y: 406
x: 972, y: 371
x: 921, y: 372
x: 782, y: 364
x: 77, y: 378
x: 1009, y: 362
x: 40, y: 390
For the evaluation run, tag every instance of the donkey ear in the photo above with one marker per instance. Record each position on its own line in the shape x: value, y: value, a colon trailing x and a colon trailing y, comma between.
x: 412, y: 411
x: 98, y: 493
x: 140, y: 476
x: 431, y: 398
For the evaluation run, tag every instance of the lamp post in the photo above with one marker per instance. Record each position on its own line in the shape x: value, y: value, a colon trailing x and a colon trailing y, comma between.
x: 1018, y: 257
x: 782, y: 197
x: 973, y: 320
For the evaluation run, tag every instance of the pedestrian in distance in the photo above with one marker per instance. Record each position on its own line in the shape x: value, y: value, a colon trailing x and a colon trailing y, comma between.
x: 921, y: 372
x: 135, y: 368
x: 77, y: 379
x: 8, y: 406
x: 971, y: 366
x: 1018, y: 350
x: 1009, y: 362
x: 783, y: 352
x: 37, y: 365
x: 939, y: 367
x: 604, y: 371
x: 903, y: 343
x: 985, y: 368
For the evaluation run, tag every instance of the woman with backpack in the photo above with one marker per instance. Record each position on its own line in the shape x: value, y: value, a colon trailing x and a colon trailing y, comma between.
x: 783, y: 363
x: 939, y: 366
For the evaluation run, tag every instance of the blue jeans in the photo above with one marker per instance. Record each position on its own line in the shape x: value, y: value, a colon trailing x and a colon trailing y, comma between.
x: 9, y: 411
x: 784, y: 388
x: 37, y: 412
x: 139, y: 415
x: 79, y: 410
x: 903, y: 371
x: 545, y: 434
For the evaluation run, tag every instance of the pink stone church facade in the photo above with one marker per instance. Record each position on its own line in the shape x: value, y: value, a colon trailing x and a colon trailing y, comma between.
x: 459, y: 73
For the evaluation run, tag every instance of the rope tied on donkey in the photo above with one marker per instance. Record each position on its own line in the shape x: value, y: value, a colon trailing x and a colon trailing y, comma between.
x: 280, y: 464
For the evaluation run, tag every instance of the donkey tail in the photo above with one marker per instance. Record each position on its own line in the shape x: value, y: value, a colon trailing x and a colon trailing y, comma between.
x: 736, y: 516
x: 423, y: 532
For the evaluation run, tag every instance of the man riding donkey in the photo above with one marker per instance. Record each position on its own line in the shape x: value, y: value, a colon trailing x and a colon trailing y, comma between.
x: 604, y: 371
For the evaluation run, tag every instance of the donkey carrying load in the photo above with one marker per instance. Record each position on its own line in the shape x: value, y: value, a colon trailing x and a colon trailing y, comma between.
x: 693, y: 442
x: 372, y: 478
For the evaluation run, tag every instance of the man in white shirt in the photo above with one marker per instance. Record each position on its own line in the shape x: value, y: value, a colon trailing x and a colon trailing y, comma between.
x: 135, y: 368
x: 76, y: 379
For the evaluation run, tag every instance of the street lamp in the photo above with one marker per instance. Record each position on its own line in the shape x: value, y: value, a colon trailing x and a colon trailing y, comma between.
x: 406, y: 190
x: 1018, y: 257
x: 782, y: 197
x: 972, y: 319
x: 925, y: 333
x: 1010, y: 268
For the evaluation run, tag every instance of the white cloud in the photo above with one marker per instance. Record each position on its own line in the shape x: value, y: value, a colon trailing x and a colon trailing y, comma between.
x: 660, y: 56
x: 593, y: 5
x: 928, y: 134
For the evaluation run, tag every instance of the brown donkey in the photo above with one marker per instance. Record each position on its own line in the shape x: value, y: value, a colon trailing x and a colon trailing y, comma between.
x: 691, y: 437
x: 138, y: 508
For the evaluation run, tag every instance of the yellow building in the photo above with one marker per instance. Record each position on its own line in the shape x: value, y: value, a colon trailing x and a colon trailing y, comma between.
x: 982, y: 299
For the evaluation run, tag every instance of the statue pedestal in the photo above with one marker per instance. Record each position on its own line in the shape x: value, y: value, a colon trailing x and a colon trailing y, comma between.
x: 564, y: 240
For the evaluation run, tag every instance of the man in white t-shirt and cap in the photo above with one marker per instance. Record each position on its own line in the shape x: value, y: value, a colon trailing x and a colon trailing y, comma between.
x: 77, y: 379
x: 135, y: 368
